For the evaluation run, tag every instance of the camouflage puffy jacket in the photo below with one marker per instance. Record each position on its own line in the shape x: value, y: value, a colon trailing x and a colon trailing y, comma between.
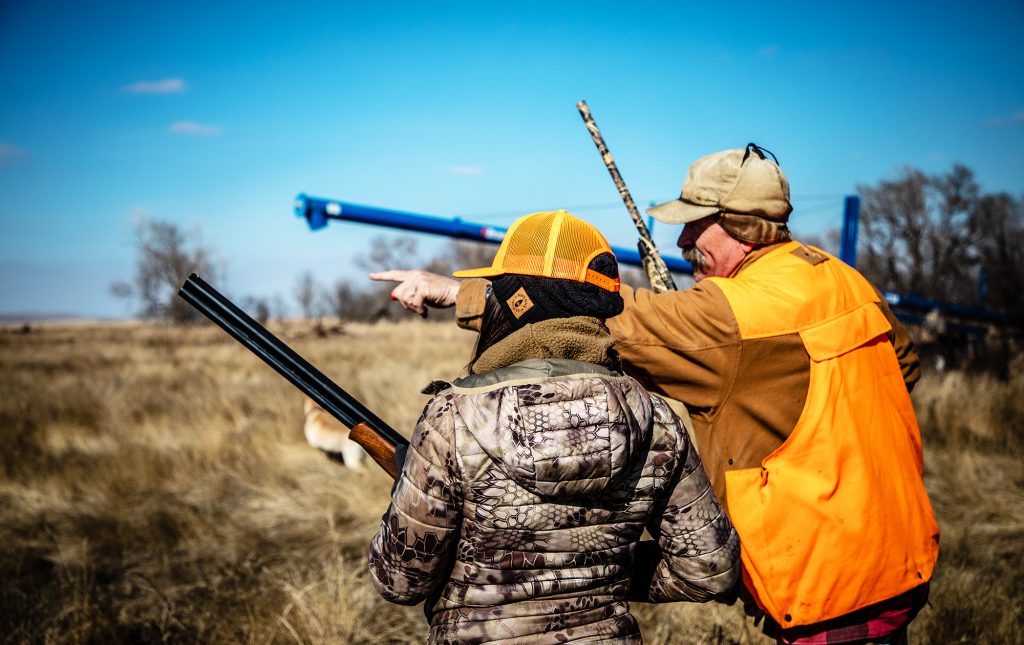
x: 523, y: 499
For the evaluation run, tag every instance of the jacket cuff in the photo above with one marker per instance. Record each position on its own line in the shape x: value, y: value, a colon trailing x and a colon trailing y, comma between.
x: 469, y: 305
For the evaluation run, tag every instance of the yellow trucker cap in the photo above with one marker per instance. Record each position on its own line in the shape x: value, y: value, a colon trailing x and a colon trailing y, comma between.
x: 550, y: 244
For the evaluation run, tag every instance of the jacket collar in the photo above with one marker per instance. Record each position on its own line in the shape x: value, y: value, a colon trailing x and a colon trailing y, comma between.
x: 757, y: 254
x: 531, y: 370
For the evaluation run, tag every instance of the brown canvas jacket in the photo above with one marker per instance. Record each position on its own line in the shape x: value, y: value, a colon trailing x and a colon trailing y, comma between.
x: 744, y: 397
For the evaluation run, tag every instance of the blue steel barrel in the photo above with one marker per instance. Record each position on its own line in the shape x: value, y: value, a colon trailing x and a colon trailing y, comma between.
x: 318, y: 211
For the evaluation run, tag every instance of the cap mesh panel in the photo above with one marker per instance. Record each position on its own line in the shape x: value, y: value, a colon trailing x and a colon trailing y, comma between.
x: 573, y: 251
x: 527, y: 248
x: 525, y: 252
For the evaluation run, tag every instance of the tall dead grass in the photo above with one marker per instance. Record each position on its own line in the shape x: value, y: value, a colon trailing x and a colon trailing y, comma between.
x: 973, y: 430
x: 155, y: 486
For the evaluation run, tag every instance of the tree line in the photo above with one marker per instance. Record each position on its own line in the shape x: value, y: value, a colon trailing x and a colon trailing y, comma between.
x: 939, y: 236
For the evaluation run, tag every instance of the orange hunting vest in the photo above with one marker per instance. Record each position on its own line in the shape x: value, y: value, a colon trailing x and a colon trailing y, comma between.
x: 837, y: 518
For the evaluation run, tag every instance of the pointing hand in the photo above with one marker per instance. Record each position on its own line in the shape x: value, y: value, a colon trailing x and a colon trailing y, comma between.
x: 418, y: 290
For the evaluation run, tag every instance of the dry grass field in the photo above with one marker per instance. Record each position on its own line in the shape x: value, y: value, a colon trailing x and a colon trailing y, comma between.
x: 155, y: 486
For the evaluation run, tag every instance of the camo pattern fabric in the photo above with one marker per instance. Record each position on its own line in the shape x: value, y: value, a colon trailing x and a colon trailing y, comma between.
x: 520, y: 507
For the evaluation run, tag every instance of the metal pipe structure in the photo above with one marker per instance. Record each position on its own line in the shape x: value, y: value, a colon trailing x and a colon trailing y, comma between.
x: 968, y: 320
x: 318, y: 211
x: 848, y: 241
x: 913, y: 303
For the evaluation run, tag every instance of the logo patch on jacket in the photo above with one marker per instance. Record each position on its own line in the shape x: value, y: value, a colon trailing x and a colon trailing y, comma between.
x: 519, y: 303
x: 809, y: 255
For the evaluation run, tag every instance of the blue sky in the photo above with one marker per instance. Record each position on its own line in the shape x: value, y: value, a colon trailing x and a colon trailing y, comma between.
x: 216, y: 116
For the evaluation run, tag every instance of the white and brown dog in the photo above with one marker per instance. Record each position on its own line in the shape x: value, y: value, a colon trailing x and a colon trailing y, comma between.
x: 331, y: 436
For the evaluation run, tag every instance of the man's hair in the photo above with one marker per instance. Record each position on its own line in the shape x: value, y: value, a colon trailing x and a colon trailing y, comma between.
x: 754, y: 229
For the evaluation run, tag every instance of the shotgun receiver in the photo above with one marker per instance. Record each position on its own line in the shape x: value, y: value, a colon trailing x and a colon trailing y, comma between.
x: 380, y: 440
x: 651, y: 260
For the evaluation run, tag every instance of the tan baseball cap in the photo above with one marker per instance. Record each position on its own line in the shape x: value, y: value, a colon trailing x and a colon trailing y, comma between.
x: 734, y: 181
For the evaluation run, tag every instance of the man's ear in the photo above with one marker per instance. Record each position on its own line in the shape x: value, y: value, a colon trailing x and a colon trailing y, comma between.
x: 747, y: 247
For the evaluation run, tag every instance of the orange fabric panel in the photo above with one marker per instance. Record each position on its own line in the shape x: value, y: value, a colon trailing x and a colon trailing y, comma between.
x: 837, y: 518
x: 846, y: 333
x: 782, y: 294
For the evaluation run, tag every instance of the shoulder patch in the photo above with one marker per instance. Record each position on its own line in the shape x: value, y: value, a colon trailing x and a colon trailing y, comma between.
x: 809, y: 255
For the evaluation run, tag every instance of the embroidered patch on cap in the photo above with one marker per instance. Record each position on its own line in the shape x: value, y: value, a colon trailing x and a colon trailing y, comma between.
x: 519, y: 303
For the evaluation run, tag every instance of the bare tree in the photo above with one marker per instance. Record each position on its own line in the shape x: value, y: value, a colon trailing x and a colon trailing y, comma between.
x: 389, y: 252
x: 997, y: 229
x: 373, y: 302
x: 307, y: 295
x: 461, y: 254
x: 916, y: 233
x: 166, y: 256
x: 938, y: 236
x: 258, y: 308
x: 895, y: 222
x: 953, y: 254
x: 366, y: 305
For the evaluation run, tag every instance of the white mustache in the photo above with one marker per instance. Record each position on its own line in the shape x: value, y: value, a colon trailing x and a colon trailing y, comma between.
x: 693, y: 255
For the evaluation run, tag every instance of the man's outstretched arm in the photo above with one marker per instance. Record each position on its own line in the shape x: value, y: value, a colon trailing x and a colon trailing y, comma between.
x: 419, y: 290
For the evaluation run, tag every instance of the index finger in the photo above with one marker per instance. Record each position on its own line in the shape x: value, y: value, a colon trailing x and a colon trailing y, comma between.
x: 394, y: 275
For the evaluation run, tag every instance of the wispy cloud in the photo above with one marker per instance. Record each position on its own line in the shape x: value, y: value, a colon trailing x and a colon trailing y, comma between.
x: 9, y: 152
x: 935, y: 156
x: 193, y: 129
x: 1002, y: 121
x: 464, y: 170
x: 163, y: 86
x: 769, y: 51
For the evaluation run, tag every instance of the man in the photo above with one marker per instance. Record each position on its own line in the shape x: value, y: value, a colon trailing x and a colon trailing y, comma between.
x: 797, y: 378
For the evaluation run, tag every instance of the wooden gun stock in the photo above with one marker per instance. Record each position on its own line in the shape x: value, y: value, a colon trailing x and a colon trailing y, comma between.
x: 380, y: 449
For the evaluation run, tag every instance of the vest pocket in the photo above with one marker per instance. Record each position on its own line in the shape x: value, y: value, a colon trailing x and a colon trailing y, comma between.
x: 844, y: 333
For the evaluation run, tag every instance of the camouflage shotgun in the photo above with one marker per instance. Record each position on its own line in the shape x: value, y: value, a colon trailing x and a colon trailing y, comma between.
x: 654, y: 266
x: 377, y: 438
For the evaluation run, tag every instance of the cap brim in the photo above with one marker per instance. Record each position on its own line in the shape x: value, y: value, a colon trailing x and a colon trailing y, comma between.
x: 483, y: 272
x: 680, y: 212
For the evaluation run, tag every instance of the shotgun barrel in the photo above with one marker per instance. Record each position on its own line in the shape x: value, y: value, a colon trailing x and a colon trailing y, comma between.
x: 650, y: 258
x: 380, y: 440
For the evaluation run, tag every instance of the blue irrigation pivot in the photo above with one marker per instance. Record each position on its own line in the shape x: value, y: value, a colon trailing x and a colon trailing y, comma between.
x: 848, y: 241
x: 318, y: 212
x: 909, y: 308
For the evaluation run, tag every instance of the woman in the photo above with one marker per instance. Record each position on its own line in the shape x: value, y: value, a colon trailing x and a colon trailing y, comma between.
x: 529, y: 482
